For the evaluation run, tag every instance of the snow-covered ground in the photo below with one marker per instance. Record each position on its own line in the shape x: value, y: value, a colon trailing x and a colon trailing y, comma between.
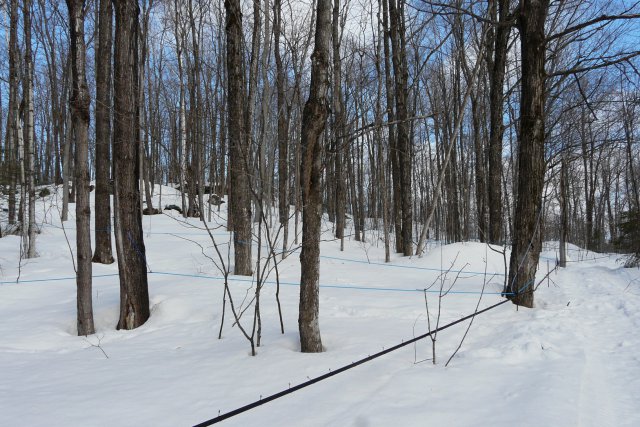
x: 574, y: 360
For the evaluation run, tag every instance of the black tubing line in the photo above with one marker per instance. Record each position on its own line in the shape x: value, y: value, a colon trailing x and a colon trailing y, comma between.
x: 339, y: 370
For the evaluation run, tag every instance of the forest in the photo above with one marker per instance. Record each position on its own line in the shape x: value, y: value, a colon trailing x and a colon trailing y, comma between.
x: 397, y: 121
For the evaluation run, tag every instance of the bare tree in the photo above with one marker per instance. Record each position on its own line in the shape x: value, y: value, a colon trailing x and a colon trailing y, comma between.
x: 404, y: 150
x: 28, y: 183
x: 283, y: 126
x: 80, y: 103
x: 102, y: 253
x: 134, y: 293
x: 12, y: 111
x: 316, y: 111
x: 499, y: 11
x: 338, y: 151
x: 526, y: 245
x: 240, y: 199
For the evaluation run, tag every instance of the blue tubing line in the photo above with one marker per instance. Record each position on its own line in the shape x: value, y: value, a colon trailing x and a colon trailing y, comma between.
x: 355, y: 287
x: 54, y: 279
x: 272, y: 282
x: 410, y: 267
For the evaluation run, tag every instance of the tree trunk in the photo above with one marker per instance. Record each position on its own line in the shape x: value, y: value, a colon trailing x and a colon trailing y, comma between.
x: 134, y: 293
x: 391, y: 118
x: 80, y: 103
x: 240, y: 199
x: 247, y: 148
x: 526, y: 246
x: 66, y: 162
x: 316, y: 111
x: 182, y: 148
x: 12, y: 113
x: 145, y: 164
x: 283, y: 128
x: 496, y: 129
x: 404, y: 151
x: 382, y: 181
x: 197, y: 113
x: 479, y: 166
x: 339, y: 126
x: 29, y: 137
x: 564, y: 212
x: 102, y: 253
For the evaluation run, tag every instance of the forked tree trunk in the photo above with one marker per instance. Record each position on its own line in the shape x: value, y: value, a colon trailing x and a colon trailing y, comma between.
x: 134, y: 292
x: 391, y: 118
x: 80, y: 103
x: 314, y: 117
x: 525, y: 252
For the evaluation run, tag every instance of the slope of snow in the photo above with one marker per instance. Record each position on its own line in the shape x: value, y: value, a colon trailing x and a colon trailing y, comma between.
x: 571, y: 361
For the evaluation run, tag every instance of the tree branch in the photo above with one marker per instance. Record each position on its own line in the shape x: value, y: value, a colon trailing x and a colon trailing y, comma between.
x: 601, y: 18
x: 603, y: 64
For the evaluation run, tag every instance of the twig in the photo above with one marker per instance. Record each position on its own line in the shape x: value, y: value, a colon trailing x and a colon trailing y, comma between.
x: 97, y: 345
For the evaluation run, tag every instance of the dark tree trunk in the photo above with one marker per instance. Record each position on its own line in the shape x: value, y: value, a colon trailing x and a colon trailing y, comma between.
x: 283, y: 126
x: 393, y: 147
x: 134, y: 292
x: 239, y: 151
x: 339, y: 127
x: 403, y: 143
x: 314, y: 118
x: 500, y: 10
x: 564, y: 212
x: 80, y: 103
x: 102, y: 253
x: 145, y: 164
x: 525, y: 252
x: 12, y: 113
x: 479, y: 166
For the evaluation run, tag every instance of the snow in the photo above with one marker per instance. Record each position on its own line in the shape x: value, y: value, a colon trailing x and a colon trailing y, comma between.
x: 571, y: 361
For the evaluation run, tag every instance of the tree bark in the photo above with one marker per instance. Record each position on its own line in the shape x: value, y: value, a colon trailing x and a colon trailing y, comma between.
x: 479, y: 166
x: 339, y: 148
x: 12, y: 113
x: 526, y: 246
x: 500, y: 10
x: 80, y: 103
x: 391, y: 118
x: 182, y: 148
x: 404, y: 151
x: 316, y: 111
x: 564, y: 212
x: 102, y: 253
x: 283, y: 128
x: 240, y: 199
x: 145, y: 105
x: 29, y: 137
x: 134, y: 293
